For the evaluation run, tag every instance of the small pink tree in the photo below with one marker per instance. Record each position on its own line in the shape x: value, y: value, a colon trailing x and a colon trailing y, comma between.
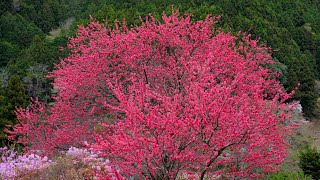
x: 183, y: 97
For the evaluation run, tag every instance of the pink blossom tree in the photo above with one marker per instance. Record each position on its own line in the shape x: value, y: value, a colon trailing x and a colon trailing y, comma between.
x: 164, y: 98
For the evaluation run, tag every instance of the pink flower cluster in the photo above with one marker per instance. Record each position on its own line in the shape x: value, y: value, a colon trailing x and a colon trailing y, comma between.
x: 13, y: 165
x: 101, y: 166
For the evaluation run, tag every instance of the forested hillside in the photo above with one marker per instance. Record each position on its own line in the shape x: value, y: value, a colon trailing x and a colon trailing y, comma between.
x: 28, y: 50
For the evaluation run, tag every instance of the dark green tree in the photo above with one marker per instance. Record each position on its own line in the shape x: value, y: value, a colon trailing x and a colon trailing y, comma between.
x: 5, y: 6
x: 4, y: 111
x: 37, y: 52
x: 309, y: 162
x: 47, y: 22
x: 8, y: 51
x: 12, y: 97
x: 17, y: 30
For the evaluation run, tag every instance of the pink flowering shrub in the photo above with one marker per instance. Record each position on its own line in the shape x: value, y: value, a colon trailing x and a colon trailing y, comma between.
x: 13, y: 165
x: 100, y: 167
x: 85, y: 163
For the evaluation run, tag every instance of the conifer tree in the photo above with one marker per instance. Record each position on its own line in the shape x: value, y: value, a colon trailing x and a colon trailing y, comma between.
x: 10, y: 98
x: 3, y: 112
x: 16, y: 96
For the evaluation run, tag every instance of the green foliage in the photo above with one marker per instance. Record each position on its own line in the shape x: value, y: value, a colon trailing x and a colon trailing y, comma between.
x: 16, y: 93
x: 17, y: 30
x: 10, y: 98
x: 3, y: 111
x: 287, y: 175
x: 309, y: 162
x: 8, y: 51
x: 45, y: 14
x: 37, y: 52
x: 280, y: 68
x: 4, y: 6
x: 47, y: 22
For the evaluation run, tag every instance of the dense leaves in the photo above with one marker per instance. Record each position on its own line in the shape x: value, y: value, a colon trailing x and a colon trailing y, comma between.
x: 10, y: 98
x: 309, y: 161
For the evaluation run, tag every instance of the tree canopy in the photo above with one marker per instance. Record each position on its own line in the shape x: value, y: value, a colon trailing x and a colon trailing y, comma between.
x: 182, y: 96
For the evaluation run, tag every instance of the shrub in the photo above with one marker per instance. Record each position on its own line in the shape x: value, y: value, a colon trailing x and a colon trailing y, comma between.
x: 14, y: 165
x: 74, y: 164
x: 287, y: 175
x: 309, y: 162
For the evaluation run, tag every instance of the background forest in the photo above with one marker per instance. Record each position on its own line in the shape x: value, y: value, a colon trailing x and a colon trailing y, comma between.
x: 33, y: 37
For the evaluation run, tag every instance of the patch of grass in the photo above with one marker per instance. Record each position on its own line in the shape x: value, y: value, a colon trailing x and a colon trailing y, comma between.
x: 298, y: 175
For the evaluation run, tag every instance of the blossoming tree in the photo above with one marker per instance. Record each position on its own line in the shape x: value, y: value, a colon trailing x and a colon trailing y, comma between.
x: 164, y: 98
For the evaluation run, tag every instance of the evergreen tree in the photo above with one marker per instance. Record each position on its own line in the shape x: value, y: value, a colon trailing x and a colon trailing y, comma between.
x: 3, y: 112
x: 16, y: 96
x: 8, y: 51
x: 37, y: 52
x: 4, y: 6
x: 17, y: 30
x: 11, y: 98
x: 47, y: 22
